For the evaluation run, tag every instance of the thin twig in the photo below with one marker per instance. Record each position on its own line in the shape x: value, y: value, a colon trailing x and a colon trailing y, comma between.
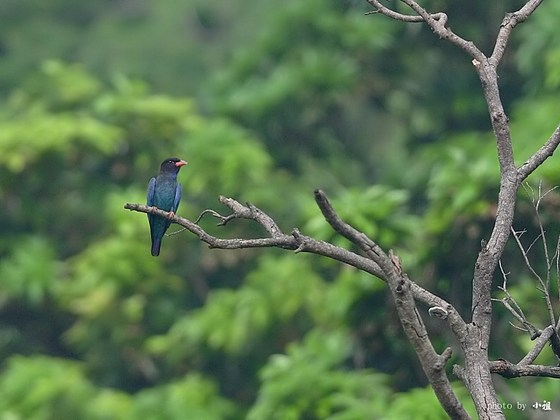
x: 538, y: 347
x: 223, y: 219
x: 436, y: 21
x: 557, y: 255
x: 511, y: 20
x: 536, y: 160
x: 545, y: 284
x: 511, y: 305
x: 525, y: 256
x: 382, y: 9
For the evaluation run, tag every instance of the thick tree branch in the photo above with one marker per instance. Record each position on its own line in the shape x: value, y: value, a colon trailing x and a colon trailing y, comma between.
x: 376, y: 262
x: 384, y: 266
x: 509, y: 370
x: 475, y: 345
x: 473, y: 337
x: 401, y: 288
x: 294, y: 241
x: 372, y: 250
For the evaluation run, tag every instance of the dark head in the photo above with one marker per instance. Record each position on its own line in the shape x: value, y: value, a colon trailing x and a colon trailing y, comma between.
x: 171, y: 165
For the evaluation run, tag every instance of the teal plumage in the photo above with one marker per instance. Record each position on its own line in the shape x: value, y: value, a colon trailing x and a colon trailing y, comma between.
x: 164, y: 193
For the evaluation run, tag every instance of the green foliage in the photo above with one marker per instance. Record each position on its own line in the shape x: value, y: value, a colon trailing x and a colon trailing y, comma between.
x: 538, y: 51
x: 42, y: 388
x: 424, y: 405
x: 459, y: 184
x: 314, y: 84
x: 251, y: 310
x: 535, y: 118
x: 28, y: 271
x: 307, y: 382
x: 193, y: 396
x: 378, y: 211
x: 236, y: 157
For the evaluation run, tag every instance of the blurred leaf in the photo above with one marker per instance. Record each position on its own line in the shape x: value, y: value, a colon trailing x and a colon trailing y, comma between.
x: 378, y: 211
x: 334, y: 394
x: 192, y: 396
x: 28, y: 272
x: 43, y: 388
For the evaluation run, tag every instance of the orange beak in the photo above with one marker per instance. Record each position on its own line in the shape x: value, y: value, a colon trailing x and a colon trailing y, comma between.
x: 181, y: 163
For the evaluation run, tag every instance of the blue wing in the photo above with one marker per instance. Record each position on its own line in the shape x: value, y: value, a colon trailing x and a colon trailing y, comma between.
x: 177, y: 198
x: 151, y: 192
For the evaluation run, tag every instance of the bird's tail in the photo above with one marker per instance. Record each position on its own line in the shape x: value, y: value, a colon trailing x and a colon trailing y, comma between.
x: 156, y: 245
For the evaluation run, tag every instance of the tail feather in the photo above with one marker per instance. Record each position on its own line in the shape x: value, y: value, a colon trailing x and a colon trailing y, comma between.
x: 156, y: 245
x: 157, y: 230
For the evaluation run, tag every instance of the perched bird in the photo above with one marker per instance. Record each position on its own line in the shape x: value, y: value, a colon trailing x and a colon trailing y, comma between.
x: 164, y: 193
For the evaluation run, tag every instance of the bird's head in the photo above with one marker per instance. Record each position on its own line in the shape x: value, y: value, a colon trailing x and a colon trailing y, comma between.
x: 172, y: 165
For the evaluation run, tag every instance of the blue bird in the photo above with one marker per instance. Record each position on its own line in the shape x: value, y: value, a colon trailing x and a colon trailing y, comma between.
x: 164, y: 193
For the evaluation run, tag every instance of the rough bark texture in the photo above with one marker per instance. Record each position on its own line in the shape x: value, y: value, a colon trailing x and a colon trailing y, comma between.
x: 476, y: 372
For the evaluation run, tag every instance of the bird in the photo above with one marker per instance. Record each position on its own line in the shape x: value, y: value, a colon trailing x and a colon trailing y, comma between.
x: 164, y: 193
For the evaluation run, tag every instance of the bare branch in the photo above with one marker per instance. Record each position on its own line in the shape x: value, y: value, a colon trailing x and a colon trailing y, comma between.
x: 557, y: 256
x: 381, y: 8
x: 538, y: 347
x: 526, y: 257
x: 537, y: 159
x: 353, y: 235
x: 511, y: 305
x: 476, y: 373
x: 510, y: 370
x: 403, y: 296
x: 511, y: 20
x: 294, y: 241
x: 223, y: 219
x: 544, y: 284
x: 378, y: 263
x: 436, y: 21
x: 285, y: 241
x: 372, y: 250
x: 510, y: 176
x: 438, y: 26
x: 549, y: 334
x: 536, y: 206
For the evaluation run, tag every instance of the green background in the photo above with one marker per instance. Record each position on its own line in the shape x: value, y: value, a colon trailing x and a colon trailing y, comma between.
x: 267, y: 101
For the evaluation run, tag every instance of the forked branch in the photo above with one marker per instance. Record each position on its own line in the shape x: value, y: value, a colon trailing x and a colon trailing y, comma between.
x: 543, y: 279
x: 295, y: 241
x: 374, y: 261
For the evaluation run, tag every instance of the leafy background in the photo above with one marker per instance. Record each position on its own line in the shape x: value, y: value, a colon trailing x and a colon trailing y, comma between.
x: 267, y: 101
